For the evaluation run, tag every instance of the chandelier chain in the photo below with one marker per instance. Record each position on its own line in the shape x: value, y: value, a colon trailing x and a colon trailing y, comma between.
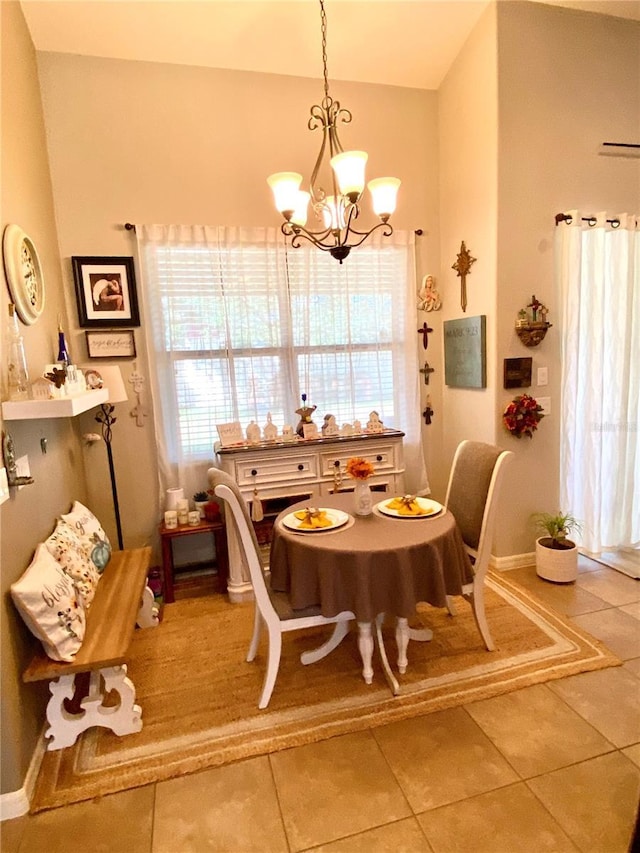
x: 323, y: 25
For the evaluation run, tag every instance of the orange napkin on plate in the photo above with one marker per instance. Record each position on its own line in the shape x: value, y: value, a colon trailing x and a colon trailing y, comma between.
x: 312, y: 518
x: 407, y: 505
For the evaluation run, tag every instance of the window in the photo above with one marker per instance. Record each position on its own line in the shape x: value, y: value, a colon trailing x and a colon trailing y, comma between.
x: 236, y: 326
x: 245, y: 329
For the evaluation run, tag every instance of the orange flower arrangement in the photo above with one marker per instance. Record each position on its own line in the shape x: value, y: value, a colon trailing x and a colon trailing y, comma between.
x: 359, y: 468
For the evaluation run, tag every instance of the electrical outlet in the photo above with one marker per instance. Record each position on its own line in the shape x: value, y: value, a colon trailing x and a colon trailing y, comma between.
x: 4, y: 486
x: 545, y: 402
x: 543, y: 375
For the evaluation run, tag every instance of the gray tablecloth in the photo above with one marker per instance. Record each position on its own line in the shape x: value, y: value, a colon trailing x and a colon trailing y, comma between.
x: 377, y: 564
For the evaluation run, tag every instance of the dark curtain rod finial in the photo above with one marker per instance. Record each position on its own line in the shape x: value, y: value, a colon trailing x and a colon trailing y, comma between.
x: 591, y: 220
x: 129, y: 226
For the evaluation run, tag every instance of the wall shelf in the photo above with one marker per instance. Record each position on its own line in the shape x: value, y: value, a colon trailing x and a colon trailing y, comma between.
x: 533, y: 333
x: 63, y: 407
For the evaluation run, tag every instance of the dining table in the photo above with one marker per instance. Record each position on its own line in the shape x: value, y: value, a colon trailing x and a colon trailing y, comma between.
x: 373, y: 565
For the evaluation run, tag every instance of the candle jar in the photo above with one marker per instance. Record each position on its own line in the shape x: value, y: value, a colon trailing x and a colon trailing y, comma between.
x: 171, y: 519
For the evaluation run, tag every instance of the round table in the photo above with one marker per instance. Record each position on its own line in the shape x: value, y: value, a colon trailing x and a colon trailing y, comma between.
x: 372, y: 565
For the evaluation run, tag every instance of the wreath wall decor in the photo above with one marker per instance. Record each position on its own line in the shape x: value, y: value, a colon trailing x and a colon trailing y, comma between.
x: 522, y: 416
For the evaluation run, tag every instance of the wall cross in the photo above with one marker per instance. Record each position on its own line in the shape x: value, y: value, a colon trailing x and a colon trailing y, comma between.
x: 463, y: 267
x: 426, y: 370
x: 424, y: 331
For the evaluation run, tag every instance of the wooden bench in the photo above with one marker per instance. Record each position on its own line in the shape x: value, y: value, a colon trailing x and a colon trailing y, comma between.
x: 122, y: 601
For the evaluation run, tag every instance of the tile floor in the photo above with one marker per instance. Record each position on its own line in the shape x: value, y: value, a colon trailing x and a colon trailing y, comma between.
x: 551, y: 767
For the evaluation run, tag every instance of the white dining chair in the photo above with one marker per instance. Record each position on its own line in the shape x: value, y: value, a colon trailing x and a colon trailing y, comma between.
x: 475, y: 480
x: 272, y: 609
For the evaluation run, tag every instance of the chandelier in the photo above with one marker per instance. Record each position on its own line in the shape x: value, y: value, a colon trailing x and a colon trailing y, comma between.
x: 337, y: 211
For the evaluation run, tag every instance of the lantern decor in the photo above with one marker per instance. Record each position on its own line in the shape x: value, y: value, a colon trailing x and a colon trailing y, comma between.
x: 522, y: 416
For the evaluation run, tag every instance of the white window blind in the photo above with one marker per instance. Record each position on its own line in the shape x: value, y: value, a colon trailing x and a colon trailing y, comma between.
x: 241, y: 326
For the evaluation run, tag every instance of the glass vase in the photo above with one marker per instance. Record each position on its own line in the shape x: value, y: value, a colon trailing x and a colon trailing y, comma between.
x: 364, y: 501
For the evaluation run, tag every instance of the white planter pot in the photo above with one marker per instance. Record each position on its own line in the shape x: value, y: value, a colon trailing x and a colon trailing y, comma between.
x: 559, y: 565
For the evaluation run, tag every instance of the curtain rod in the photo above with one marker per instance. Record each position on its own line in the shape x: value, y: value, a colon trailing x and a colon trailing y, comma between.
x: 591, y: 220
x: 129, y: 226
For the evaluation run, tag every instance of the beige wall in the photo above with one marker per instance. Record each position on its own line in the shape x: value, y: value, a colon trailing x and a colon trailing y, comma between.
x: 145, y: 142
x: 468, y: 132
x: 28, y: 517
x: 568, y: 81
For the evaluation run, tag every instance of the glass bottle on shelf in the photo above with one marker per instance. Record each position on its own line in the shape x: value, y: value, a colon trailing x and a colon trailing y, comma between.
x: 64, y: 359
x: 18, y: 376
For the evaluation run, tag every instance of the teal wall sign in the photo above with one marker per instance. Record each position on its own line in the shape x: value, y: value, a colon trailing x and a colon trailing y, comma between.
x: 465, y: 353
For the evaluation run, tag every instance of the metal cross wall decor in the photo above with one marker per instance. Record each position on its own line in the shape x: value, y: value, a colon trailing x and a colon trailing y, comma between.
x: 426, y: 370
x: 463, y: 267
x: 424, y: 331
x: 428, y: 411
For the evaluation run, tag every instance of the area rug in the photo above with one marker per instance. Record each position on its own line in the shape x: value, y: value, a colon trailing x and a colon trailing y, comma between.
x: 199, y: 695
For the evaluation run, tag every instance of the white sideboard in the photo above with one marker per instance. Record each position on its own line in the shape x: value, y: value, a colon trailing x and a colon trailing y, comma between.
x: 286, y: 472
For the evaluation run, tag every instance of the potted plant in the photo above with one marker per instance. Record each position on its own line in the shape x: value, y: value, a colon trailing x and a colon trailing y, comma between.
x: 556, y: 555
x: 200, y: 499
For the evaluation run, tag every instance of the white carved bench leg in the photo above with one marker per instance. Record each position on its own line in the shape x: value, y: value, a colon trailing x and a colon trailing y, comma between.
x: 365, y: 645
x: 148, y: 612
x: 123, y: 718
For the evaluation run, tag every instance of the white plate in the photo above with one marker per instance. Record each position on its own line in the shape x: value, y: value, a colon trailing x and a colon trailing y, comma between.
x: 335, y: 516
x: 431, y: 508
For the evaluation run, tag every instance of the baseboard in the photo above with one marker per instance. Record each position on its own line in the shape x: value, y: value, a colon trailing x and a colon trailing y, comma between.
x: 515, y: 561
x: 16, y: 803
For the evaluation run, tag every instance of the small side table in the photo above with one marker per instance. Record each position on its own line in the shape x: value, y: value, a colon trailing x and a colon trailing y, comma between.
x: 217, y: 529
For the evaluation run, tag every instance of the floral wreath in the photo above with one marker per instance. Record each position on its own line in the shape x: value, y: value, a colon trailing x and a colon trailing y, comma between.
x: 522, y: 416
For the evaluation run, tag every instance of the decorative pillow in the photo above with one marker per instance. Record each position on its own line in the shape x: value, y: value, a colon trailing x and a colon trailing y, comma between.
x: 50, y: 606
x: 68, y: 550
x: 89, y: 531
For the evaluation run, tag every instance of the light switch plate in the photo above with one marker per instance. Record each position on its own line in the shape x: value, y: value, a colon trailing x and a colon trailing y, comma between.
x: 4, y: 486
x: 545, y: 402
x: 543, y: 375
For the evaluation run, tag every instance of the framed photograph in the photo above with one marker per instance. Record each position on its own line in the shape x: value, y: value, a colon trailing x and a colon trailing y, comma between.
x: 465, y: 353
x: 120, y: 344
x: 105, y: 292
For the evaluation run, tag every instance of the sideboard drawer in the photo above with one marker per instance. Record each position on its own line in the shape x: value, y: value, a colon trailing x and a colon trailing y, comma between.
x: 275, y: 469
x: 382, y: 457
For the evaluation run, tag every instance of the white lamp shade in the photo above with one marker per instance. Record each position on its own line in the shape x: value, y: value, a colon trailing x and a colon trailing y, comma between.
x: 384, y: 193
x: 113, y: 382
x: 300, y: 211
x: 285, y: 186
x: 332, y: 215
x: 349, y: 169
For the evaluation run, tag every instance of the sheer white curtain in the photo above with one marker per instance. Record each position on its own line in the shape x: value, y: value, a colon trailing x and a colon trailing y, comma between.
x: 237, y: 326
x: 598, y: 272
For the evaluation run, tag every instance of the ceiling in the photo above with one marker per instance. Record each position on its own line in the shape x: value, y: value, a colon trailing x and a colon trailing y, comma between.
x: 396, y: 42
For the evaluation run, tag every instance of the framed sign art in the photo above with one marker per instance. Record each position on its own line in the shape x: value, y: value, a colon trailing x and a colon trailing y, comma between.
x: 111, y: 344
x: 465, y: 355
x: 105, y: 292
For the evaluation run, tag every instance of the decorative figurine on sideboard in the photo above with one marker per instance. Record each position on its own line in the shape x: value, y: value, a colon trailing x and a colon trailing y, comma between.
x: 305, y: 413
x: 330, y: 427
x: 270, y: 431
x: 374, y: 424
x: 253, y: 433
